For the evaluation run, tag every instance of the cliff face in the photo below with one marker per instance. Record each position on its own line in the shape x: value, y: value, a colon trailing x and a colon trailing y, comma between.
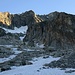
x: 58, y: 31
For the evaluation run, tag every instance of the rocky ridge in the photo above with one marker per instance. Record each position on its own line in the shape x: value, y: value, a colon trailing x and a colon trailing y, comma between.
x: 17, y: 20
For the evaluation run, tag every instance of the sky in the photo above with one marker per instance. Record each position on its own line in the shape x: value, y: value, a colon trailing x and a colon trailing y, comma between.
x: 38, y: 6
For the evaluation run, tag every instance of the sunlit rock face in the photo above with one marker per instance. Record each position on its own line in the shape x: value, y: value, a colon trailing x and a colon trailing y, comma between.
x: 57, y: 31
x: 5, y: 18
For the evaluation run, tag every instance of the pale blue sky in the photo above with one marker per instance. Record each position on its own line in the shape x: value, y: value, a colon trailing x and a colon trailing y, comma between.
x: 38, y: 6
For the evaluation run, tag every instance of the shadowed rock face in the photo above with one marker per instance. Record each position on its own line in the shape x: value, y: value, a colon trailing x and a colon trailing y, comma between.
x: 58, y: 31
x: 2, y: 32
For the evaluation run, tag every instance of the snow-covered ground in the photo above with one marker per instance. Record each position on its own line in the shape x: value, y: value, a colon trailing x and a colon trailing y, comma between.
x: 36, y: 68
x: 22, y: 29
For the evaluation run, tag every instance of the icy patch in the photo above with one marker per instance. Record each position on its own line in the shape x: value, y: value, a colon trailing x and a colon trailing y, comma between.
x: 22, y: 29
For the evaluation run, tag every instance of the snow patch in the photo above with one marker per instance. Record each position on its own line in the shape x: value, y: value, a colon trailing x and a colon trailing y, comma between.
x: 22, y: 29
x: 21, y: 38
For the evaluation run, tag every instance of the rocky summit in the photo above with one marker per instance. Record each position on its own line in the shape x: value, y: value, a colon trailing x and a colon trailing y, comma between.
x: 28, y: 35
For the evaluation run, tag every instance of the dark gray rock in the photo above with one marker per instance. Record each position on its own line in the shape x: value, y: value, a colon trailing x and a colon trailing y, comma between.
x: 2, y: 32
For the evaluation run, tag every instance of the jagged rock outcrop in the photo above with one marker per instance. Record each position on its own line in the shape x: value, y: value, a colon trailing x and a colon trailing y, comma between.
x: 27, y: 18
x: 57, y: 32
x: 5, y: 18
x: 50, y: 16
